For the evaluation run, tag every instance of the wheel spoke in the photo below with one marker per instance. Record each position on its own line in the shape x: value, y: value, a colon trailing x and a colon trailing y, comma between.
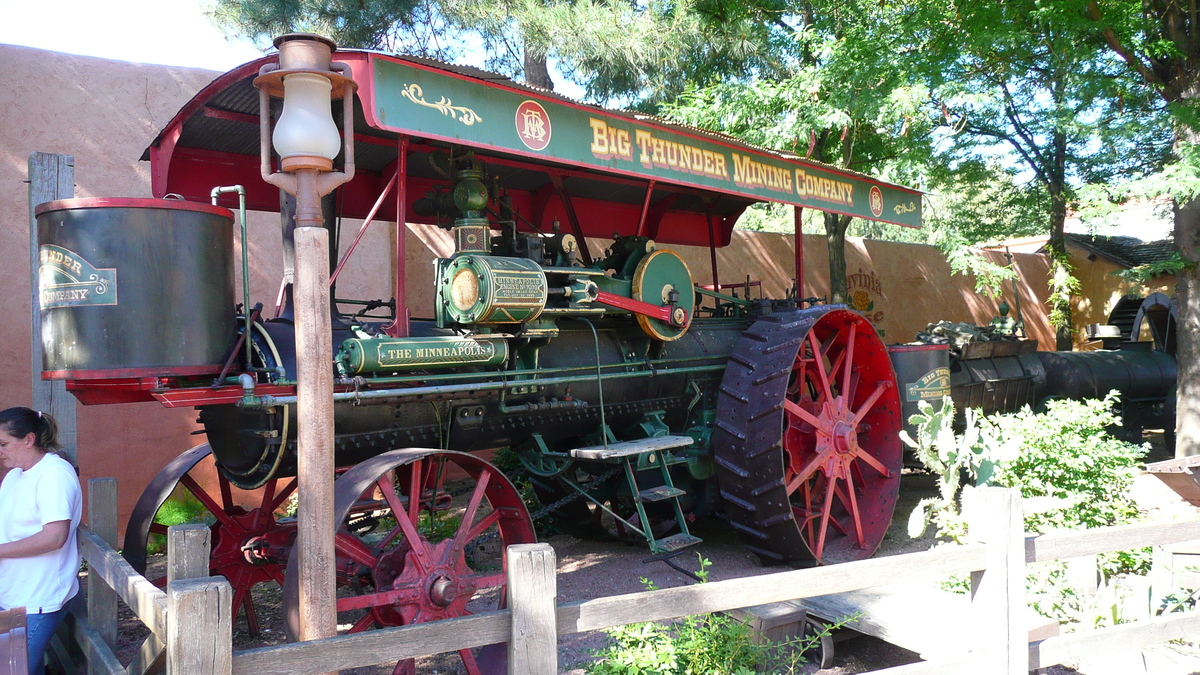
x: 405, y: 667
x: 353, y: 548
x: 464, y: 529
x: 488, y: 581
x: 251, y: 614
x: 805, y: 473
x: 226, y: 492
x: 808, y: 518
x: 204, y: 498
x: 158, y: 528
x: 415, y: 486
x: 858, y: 531
x: 883, y: 386
x: 363, y: 624
x: 388, y: 488
x: 823, y: 528
x: 469, y: 661
x: 239, y: 598
x: 283, y: 495
x: 480, y: 527
x: 872, y: 462
x: 849, y: 353
x: 819, y: 366
x: 798, y: 411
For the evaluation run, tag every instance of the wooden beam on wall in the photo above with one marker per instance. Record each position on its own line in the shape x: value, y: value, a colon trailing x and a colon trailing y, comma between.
x: 51, y: 177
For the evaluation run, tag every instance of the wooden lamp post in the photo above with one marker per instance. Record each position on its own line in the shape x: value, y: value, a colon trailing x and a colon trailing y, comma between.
x: 307, y: 141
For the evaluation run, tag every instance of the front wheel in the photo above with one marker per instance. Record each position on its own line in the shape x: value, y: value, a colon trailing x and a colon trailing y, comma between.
x: 421, y: 537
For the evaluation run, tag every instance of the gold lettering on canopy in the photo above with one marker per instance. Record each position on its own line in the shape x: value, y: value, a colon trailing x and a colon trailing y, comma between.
x: 753, y: 174
x: 824, y: 189
x: 658, y: 152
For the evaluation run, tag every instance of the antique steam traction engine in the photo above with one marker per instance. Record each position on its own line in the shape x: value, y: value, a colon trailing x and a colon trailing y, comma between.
x: 623, y: 388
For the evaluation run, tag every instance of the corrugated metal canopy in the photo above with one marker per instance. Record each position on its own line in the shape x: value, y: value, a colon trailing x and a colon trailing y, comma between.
x: 214, y: 140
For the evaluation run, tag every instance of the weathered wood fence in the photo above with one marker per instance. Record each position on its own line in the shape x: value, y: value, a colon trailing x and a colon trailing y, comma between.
x: 189, y: 622
x: 533, y: 622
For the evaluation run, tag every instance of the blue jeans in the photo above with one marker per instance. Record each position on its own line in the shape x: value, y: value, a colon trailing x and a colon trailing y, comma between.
x: 39, y: 628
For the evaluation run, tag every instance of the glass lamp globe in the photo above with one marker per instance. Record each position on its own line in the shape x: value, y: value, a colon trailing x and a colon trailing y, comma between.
x: 306, y: 128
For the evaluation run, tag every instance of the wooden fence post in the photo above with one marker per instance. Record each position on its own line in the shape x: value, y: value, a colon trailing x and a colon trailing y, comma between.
x: 187, y: 558
x: 102, y: 600
x: 199, y: 627
x: 51, y: 177
x: 998, y: 592
x: 532, y: 593
x: 187, y: 551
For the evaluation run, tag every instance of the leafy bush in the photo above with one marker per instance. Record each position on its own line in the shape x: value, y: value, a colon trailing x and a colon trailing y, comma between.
x: 709, y: 644
x: 1071, y: 472
x: 1069, y: 466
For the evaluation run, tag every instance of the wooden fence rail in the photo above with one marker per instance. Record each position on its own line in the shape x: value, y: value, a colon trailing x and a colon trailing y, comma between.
x: 202, y: 647
x: 533, y: 621
x: 998, y: 603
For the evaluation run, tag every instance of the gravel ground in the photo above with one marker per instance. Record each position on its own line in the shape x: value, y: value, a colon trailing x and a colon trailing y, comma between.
x: 591, y: 569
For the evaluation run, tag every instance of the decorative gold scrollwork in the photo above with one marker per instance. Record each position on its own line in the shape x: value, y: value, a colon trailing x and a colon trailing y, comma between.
x: 468, y: 117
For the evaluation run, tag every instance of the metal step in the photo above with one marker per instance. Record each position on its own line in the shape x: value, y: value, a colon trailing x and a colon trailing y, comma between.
x: 675, y: 542
x: 660, y: 493
x: 629, y: 448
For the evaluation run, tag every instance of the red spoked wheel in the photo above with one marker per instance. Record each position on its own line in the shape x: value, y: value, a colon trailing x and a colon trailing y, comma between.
x: 249, y: 544
x: 403, y: 560
x: 807, y: 443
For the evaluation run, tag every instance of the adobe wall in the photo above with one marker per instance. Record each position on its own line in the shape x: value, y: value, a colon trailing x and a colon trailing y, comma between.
x: 105, y: 113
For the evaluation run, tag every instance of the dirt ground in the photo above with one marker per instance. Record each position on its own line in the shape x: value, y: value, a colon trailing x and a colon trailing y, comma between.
x: 591, y: 569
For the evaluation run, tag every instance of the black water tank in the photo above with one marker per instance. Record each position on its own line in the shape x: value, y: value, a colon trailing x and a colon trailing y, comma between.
x: 923, y: 374
x: 134, y: 288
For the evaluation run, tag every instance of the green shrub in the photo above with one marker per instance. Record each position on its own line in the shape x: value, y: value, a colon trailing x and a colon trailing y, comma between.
x: 709, y: 644
x: 180, y: 508
x: 1072, y: 474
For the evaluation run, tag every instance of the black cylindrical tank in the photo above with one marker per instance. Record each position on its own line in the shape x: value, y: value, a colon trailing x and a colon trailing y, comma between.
x: 923, y: 374
x: 1136, y: 374
x: 132, y: 287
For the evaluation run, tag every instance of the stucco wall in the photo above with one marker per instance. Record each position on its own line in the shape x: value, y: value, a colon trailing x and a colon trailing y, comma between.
x: 104, y: 113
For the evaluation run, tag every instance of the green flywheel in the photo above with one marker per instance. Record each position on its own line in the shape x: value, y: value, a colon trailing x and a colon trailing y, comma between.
x: 657, y: 275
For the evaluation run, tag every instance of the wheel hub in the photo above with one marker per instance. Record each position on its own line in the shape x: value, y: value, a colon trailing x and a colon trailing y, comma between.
x: 845, y: 437
x: 443, y: 591
x: 424, y: 588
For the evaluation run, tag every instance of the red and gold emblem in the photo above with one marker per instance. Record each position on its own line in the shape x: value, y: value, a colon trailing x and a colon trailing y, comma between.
x: 533, y: 125
x: 876, y: 198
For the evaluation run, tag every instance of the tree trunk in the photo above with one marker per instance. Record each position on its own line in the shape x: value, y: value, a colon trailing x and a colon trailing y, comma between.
x: 1060, y: 268
x: 1187, y: 302
x: 835, y: 233
x: 536, y: 71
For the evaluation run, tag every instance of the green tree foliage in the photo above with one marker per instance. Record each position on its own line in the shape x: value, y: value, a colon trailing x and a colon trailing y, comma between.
x: 1159, y: 42
x: 1012, y: 77
x: 803, y: 77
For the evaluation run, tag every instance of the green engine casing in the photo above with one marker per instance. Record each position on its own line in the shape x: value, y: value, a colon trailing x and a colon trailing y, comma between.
x: 482, y: 289
x: 375, y: 355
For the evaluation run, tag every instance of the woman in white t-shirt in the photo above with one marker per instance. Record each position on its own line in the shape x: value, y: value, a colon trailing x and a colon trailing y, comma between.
x: 40, y: 506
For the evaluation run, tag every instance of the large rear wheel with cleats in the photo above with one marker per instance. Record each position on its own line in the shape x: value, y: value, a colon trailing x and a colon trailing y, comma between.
x: 807, y: 437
